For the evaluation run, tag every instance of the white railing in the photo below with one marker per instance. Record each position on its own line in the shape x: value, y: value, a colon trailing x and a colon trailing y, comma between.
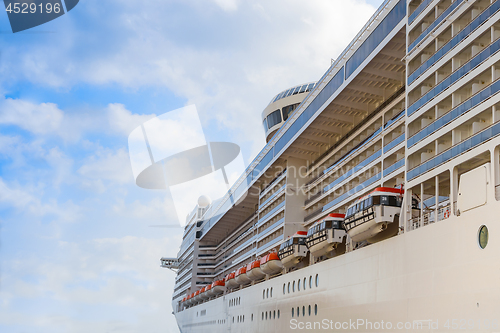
x: 429, y: 217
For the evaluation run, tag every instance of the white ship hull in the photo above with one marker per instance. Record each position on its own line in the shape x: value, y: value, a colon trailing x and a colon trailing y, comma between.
x: 431, y: 275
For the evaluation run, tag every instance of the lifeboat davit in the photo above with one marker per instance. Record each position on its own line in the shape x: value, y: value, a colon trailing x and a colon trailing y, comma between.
x: 231, y: 281
x: 271, y: 264
x: 375, y: 216
x: 218, y: 287
x: 254, y: 272
x: 203, y: 293
x: 293, y: 250
x: 241, y: 276
x: 326, y: 235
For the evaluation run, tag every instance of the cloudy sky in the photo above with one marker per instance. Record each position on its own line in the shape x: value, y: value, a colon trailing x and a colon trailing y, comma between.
x: 77, y: 251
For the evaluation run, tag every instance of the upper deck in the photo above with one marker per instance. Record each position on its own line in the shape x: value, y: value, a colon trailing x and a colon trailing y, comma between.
x: 380, y: 116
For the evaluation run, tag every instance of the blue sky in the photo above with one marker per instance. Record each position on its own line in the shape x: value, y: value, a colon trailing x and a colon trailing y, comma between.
x: 77, y: 251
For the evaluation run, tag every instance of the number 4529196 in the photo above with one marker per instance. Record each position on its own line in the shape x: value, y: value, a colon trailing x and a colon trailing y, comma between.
x: 31, y: 8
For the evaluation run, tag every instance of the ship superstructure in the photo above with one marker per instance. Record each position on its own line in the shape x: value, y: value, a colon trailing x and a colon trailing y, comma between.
x: 380, y: 180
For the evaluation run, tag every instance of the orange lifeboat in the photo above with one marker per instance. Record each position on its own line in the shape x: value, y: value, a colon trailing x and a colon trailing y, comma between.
x: 196, y: 297
x: 231, y: 281
x: 271, y: 264
x: 218, y: 287
x: 254, y: 272
x: 241, y: 276
x: 203, y: 293
x: 209, y: 291
x: 189, y: 299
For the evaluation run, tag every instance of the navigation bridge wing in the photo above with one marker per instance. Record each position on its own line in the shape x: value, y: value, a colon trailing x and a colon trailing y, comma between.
x: 170, y: 263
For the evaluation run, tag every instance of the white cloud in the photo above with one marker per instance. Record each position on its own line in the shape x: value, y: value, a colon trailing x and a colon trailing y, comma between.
x: 227, y: 5
x: 108, y: 165
x: 120, y: 276
x: 41, y: 118
x: 27, y: 200
x: 124, y: 121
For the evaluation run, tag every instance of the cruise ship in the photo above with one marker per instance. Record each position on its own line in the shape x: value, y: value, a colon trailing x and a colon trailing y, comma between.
x: 374, y: 204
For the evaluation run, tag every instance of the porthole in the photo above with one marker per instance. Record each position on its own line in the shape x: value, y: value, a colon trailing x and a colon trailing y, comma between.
x: 298, y: 311
x: 271, y: 292
x: 293, y: 288
x: 310, y: 282
x: 298, y: 285
x: 274, y: 314
x: 483, y: 236
x: 288, y: 287
x: 263, y: 294
x: 317, y: 280
x: 267, y: 293
x: 303, y: 311
x: 304, y: 283
x: 233, y: 320
x: 243, y: 318
x: 315, y: 309
x: 239, y: 300
x: 292, y: 312
x: 309, y: 310
x: 262, y: 315
x: 266, y: 315
x: 284, y: 287
x: 278, y: 314
x: 251, y: 317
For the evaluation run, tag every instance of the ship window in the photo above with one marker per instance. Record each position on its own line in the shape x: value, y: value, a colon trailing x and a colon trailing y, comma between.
x: 251, y: 317
x: 292, y: 312
x: 384, y: 200
x: 287, y: 110
x: 309, y: 310
x: 274, y: 118
x: 278, y: 314
x: 304, y: 283
x: 315, y: 309
x: 274, y: 314
x: 284, y: 287
x: 310, y: 282
x: 288, y: 287
x: 293, y: 288
x: 317, y: 280
x: 303, y: 88
x: 271, y: 292
x: 298, y: 285
x: 303, y: 311
x: 310, y: 87
x: 290, y: 92
x: 233, y: 319
x: 266, y: 315
x: 264, y: 123
x: 483, y: 236
x: 298, y: 312
x: 376, y: 200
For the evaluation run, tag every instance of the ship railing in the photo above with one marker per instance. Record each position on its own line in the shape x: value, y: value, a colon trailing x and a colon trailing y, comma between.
x: 429, y: 217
